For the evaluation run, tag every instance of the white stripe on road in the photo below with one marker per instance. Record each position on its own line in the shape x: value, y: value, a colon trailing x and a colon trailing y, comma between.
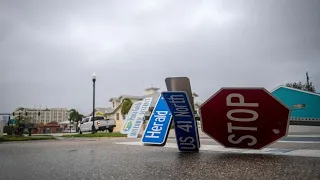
x: 302, y: 135
x: 299, y: 142
x: 273, y: 151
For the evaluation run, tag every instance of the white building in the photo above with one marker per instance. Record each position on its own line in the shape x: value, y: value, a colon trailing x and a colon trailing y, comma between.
x: 44, y: 116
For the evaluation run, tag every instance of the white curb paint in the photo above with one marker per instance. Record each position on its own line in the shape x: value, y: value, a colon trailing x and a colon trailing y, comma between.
x: 273, y: 151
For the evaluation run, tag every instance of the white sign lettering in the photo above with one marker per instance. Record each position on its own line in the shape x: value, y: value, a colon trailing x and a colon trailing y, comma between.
x: 231, y: 114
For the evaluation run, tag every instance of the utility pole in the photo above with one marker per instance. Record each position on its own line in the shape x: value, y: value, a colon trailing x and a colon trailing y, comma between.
x: 307, y: 75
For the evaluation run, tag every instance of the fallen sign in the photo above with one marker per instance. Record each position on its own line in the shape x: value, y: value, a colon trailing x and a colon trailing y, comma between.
x: 184, y: 122
x: 244, y: 118
x: 138, y: 121
x: 130, y: 117
x: 157, y: 129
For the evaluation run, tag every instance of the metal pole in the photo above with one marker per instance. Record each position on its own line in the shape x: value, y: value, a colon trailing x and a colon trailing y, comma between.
x: 307, y: 79
x: 93, y: 108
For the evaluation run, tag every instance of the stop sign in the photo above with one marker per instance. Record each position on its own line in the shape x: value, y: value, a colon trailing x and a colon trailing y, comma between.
x: 246, y: 118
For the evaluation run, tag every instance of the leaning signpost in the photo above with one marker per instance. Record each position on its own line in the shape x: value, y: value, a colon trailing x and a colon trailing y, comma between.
x: 244, y: 118
x: 158, y: 127
x: 184, y: 122
x: 138, y: 121
x: 131, y: 116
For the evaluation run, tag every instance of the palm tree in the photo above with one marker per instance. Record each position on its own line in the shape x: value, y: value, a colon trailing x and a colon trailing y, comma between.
x: 126, y: 106
x: 75, y: 116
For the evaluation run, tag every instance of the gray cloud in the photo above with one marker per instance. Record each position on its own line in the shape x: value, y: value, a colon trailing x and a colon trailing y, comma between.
x: 49, y: 49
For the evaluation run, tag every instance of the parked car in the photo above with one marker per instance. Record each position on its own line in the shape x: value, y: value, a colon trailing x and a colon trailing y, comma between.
x: 100, y: 123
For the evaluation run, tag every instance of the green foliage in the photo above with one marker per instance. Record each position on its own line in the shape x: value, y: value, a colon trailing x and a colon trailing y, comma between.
x: 22, y: 119
x: 126, y: 106
x: 8, y: 130
x: 25, y: 138
x: 75, y: 116
x: 307, y: 87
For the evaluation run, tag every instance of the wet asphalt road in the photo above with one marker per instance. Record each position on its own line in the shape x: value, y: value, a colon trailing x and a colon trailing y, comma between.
x: 103, y: 159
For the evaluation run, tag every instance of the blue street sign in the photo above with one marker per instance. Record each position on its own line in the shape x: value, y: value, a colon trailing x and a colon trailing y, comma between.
x: 184, y: 122
x: 157, y: 130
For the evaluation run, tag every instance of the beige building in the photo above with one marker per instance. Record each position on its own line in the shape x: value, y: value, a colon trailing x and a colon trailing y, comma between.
x: 44, y: 116
x: 114, y: 112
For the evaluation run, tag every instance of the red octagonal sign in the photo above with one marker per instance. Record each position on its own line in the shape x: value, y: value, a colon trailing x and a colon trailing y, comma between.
x: 246, y: 118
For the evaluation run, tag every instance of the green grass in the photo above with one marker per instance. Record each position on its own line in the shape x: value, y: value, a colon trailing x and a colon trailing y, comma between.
x: 114, y: 134
x: 24, y: 138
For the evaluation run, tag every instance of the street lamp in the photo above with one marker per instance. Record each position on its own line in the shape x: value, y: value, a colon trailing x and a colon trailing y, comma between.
x: 71, y: 122
x: 20, y: 115
x: 94, y: 76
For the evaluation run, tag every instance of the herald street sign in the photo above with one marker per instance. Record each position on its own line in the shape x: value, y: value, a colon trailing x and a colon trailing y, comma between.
x: 245, y: 118
x: 185, y: 126
x: 158, y: 127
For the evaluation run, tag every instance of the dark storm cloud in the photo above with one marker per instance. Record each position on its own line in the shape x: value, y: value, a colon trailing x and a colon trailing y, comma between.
x: 49, y: 49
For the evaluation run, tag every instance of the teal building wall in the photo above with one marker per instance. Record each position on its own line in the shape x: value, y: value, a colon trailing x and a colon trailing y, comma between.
x: 304, y: 105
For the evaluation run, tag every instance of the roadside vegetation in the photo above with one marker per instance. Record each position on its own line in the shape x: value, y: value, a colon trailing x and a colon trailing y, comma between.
x: 25, y: 138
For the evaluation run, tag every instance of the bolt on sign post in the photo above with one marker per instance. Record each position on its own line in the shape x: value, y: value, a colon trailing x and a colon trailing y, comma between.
x: 158, y: 127
x: 184, y: 121
x: 244, y: 118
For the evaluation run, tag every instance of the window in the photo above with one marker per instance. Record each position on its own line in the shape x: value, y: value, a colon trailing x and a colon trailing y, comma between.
x: 123, y: 117
x: 118, y: 116
x: 113, y: 104
x: 299, y: 106
x: 98, y: 118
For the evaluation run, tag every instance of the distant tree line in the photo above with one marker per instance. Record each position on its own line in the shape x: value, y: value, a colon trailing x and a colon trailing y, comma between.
x: 303, y: 86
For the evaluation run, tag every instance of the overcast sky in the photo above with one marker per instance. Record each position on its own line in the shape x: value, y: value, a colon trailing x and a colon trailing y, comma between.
x: 49, y: 49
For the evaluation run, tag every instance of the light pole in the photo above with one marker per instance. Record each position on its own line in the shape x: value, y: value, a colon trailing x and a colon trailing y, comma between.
x: 93, y: 130
x: 71, y: 122
x: 20, y: 116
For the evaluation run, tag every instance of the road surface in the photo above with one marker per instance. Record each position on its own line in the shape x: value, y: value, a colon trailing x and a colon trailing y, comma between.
x: 122, y: 158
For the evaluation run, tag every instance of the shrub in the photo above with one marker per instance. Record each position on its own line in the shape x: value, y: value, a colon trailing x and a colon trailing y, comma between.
x: 8, y: 130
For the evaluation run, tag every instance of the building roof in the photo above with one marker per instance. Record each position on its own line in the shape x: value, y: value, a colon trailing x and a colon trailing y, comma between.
x: 294, y: 89
x: 124, y: 97
x: 104, y: 110
x: 50, y: 124
x: 152, y: 88
x: 155, y: 97
x: 135, y: 97
x: 195, y: 94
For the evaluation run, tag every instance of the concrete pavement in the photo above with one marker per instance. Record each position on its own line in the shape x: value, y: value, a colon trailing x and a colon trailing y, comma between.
x: 107, y: 159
